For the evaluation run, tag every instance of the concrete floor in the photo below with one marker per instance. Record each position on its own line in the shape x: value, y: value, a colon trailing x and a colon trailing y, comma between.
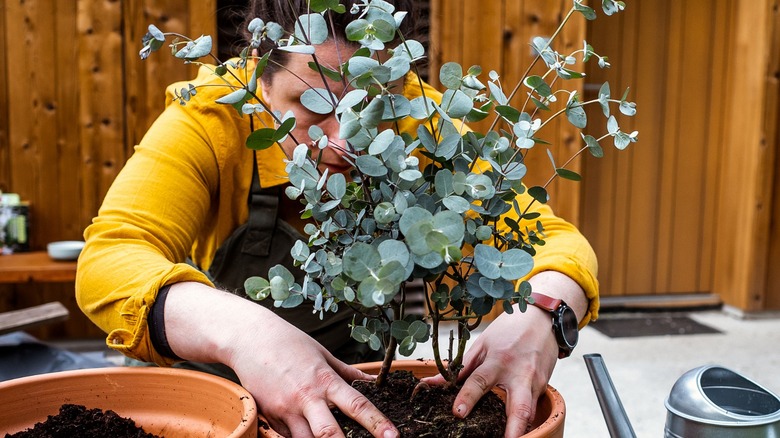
x: 644, y: 369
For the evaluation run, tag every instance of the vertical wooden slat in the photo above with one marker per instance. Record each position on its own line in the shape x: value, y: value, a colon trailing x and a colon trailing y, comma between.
x: 744, y: 208
x: 101, y: 113
x: 146, y: 80
x: 5, y: 159
x: 600, y: 175
x: 720, y: 32
x: 772, y: 124
x: 642, y: 204
x: 669, y: 147
x: 522, y: 22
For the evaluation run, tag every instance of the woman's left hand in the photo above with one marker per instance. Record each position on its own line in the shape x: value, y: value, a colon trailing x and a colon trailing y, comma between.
x: 516, y: 352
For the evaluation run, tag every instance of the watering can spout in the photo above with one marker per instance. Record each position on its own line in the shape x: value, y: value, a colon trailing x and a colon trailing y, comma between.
x: 618, y: 423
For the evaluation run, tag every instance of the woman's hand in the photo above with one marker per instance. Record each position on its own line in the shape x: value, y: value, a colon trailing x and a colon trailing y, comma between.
x: 516, y: 352
x: 294, y: 380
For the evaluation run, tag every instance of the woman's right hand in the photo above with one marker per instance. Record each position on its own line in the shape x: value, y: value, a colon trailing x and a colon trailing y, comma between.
x: 293, y: 378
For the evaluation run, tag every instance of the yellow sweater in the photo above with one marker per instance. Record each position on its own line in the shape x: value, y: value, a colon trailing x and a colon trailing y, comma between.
x: 184, y: 191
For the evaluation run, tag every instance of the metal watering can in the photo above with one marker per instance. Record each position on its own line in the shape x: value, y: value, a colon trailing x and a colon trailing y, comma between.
x: 708, y: 401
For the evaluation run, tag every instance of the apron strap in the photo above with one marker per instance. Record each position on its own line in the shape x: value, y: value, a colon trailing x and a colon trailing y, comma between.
x: 263, y: 205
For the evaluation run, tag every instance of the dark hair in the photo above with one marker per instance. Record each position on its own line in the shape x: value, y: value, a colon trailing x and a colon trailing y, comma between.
x: 286, y: 12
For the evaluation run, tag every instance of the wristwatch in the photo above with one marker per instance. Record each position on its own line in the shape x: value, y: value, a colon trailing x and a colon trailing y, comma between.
x: 564, y: 322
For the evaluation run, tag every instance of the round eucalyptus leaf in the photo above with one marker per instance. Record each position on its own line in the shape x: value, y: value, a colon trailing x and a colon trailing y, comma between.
x: 412, y: 216
x: 299, y: 251
x: 411, y: 49
x: 384, y: 213
x: 394, y: 272
x: 448, y: 146
x: 480, y: 186
x: 432, y: 260
x: 410, y: 175
x: 450, y: 75
x: 416, y: 237
x: 628, y: 108
x: 311, y: 28
x: 383, y: 30
x: 538, y: 84
x: 443, y: 182
x: 360, y: 334
x: 515, y: 264
x: 370, y: 165
x: 374, y: 342
x: 406, y: 346
x: 356, y: 29
x: 419, y: 330
x: 280, y: 288
x: 422, y: 108
x: 474, y: 289
x: 493, y: 288
x: 371, y: 115
x: 337, y: 186
x: 399, y: 67
x: 351, y: 99
x: 360, y: 261
x: 318, y: 100
x: 456, y: 103
x: 195, y: 49
x: 257, y: 288
x: 393, y: 250
x: 359, y: 65
x: 450, y: 224
x: 456, y: 203
x: 483, y: 232
x: 396, y: 107
x: 576, y: 115
x: 436, y: 241
x: 349, y: 125
x: 381, y: 142
x: 483, y: 305
x: 488, y: 260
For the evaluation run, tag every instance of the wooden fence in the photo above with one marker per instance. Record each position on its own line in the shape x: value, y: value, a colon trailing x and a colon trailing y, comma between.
x: 688, y: 209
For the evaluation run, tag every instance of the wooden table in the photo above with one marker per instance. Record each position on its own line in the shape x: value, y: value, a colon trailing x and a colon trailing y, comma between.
x: 35, y: 266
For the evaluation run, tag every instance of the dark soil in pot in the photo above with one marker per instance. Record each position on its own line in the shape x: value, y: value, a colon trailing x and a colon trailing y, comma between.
x: 76, y: 421
x: 429, y: 414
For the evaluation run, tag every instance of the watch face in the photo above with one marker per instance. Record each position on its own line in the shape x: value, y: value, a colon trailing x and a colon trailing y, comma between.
x: 569, y: 327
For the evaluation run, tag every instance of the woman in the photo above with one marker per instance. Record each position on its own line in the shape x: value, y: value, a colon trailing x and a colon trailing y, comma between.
x: 192, y: 190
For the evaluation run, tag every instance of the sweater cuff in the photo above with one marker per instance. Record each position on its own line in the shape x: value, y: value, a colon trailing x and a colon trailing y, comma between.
x: 156, y: 322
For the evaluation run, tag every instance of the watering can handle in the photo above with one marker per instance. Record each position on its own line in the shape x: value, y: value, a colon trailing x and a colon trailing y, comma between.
x: 617, y: 421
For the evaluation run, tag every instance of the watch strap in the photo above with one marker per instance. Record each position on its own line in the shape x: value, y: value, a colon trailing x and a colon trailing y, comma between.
x: 545, y: 302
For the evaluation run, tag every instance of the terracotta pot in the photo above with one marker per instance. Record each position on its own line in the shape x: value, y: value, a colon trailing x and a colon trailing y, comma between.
x: 550, y: 409
x: 164, y: 401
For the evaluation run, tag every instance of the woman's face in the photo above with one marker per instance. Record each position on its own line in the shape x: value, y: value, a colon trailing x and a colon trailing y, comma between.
x: 282, y: 92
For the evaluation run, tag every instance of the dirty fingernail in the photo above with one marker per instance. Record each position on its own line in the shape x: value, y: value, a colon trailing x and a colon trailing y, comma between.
x: 390, y: 434
x: 462, y: 410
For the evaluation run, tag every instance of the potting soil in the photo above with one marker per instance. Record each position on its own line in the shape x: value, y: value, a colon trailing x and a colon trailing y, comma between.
x: 76, y: 421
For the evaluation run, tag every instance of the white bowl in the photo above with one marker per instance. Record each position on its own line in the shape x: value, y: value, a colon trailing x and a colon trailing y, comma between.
x: 65, y: 250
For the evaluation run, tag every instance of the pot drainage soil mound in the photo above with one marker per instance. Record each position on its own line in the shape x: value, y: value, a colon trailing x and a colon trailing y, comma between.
x: 76, y: 421
x: 429, y: 414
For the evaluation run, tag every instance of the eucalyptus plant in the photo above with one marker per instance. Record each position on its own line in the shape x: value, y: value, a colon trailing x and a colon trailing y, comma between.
x: 394, y: 219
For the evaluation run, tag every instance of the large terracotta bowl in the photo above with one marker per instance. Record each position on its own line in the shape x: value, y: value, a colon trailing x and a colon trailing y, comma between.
x: 550, y: 409
x: 164, y: 401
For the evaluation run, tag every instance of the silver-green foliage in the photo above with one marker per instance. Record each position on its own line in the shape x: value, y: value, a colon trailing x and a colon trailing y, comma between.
x: 393, y: 221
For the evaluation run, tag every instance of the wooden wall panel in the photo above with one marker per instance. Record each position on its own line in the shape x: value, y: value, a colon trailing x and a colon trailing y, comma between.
x: 74, y: 100
x: 773, y: 137
x: 5, y: 159
x: 745, y: 207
